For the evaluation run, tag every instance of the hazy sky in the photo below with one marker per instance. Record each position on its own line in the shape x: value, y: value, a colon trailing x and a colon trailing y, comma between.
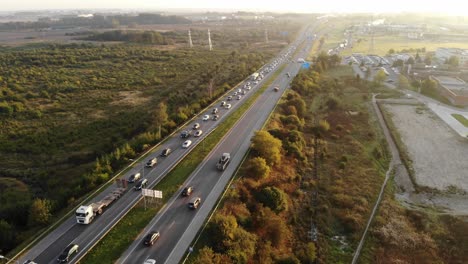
x: 454, y: 7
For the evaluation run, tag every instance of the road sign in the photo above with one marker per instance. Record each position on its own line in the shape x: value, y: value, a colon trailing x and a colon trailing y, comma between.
x: 151, y: 193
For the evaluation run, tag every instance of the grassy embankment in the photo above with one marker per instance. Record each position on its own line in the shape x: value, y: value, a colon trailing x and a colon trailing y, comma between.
x: 125, y: 232
x: 461, y: 119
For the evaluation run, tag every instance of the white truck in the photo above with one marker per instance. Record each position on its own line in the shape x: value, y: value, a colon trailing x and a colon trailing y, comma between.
x: 86, y: 213
x: 254, y: 76
x: 223, y: 161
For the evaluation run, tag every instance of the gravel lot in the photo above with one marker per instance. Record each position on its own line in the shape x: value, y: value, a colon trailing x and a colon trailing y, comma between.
x: 440, y: 157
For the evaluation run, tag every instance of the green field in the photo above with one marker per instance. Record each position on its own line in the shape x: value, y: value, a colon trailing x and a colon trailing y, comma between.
x: 461, y: 119
x: 384, y: 43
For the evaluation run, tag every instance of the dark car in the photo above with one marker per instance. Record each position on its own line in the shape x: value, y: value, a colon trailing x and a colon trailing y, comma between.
x: 67, y: 253
x: 151, y: 162
x: 187, y: 191
x: 134, y: 177
x: 194, y: 203
x: 140, y: 184
x: 185, y: 134
x: 151, y: 238
x: 166, y: 152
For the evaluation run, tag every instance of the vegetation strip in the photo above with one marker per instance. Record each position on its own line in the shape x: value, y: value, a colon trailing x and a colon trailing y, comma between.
x: 111, y: 246
x: 461, y: 119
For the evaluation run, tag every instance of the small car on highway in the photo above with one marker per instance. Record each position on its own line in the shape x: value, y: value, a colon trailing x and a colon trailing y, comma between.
x: 196, y: 126
x: 151, y: 238
x: 185, y: 134
x: 150, y: 261
x: 140, y: 184
x: 227, y: 106
x: 229, y: 98
x: 187, y: 191
x: 214, y: 111
x: 187, y: 144
x: 67, y: 253
x: 134, y: 177
x: 223, y: 103
x: 206, y: 118
x: 194, y: 203
x: 151, y: 162
x: 166, y: 152
x: 239, y: 97
x: 198, y: 133
x: 215, y: 117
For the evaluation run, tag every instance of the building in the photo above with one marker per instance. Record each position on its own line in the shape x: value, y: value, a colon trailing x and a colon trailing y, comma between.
x: 452, y: 88
x: 443, y: 54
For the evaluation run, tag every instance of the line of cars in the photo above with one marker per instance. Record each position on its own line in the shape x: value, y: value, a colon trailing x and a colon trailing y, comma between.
x: 224, y: 160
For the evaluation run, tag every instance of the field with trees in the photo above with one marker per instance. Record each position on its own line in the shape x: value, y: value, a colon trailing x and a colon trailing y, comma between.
x: 318, y: 166
x: 72, y: 115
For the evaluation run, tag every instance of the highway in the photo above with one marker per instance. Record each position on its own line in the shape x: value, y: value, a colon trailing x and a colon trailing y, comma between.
x: 177, y: 224
x: 86, y: 236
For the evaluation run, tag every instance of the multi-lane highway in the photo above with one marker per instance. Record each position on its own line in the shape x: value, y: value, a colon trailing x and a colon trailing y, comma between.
x: 49, y: 248
x: 177, y: 224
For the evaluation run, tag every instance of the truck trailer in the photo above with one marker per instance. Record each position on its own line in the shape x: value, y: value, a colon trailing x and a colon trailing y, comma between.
x: 86, y: 213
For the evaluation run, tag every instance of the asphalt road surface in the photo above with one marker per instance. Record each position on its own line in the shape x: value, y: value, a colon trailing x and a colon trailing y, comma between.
x: 86, y: 236
x: 177, y: 224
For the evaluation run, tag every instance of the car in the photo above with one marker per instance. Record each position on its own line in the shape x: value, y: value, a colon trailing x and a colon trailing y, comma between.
x: 235, y: 93
x: 223, y: 103
x: 239, y: 90
x: 187, y: 191
x: 215, y: 117
x: 227, y: 106
x: 187, y: 144
x: 140, y: 184
x: 166, y: 152
x: 206, y: 117
x: 67, y: 253
x: 185, y: 134
x: 243, y: 92
x: 229, y: 98
x: 248, y: 87
x: 196, y: 126
x: 215, y: 111
x: 239, y: 97
x: 150, y: 261
x: 194, y: 203
x: 198, y: 133
x: 151, y: 162
x: 151, y: 238
x: 29, y: 262
x: 134, y: 177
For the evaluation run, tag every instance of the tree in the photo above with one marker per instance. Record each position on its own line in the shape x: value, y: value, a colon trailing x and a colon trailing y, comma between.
x: 267, y: 147
x: 391, y: 51
x: 273, y: 198
x: 380, y: 76
x: 160, y: 114
x: 258, y: 168
x: 208, y: 256
x: 410, y: 60
x: 403, y: 82
x: 222, y: 227
x: 453, y: 61
x: 40, y: 214
x: 7, y: 235
x: 428, y: 59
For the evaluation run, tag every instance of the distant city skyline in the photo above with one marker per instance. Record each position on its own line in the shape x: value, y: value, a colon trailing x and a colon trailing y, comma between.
x: 451, y: 7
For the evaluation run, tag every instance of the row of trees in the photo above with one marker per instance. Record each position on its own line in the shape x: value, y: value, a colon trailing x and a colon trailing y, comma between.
x: 147, y: 37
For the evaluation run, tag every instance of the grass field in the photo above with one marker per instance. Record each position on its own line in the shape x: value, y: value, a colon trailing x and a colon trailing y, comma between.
x: 114, y: 243
x: 461, y: 119
x: 384, y: 43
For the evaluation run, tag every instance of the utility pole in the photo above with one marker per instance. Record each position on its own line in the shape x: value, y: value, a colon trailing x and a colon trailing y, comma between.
x: 190, y: 39
x: 209, y: 40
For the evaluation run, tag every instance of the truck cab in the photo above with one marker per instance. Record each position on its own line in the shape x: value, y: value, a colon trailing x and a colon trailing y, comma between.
x: 84, y: 214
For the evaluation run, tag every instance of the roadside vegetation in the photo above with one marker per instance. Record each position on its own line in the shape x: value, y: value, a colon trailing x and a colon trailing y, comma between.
x: 112, y: 246
x: 73, y: 115
x: 462, y: 119
x: 316, y: 164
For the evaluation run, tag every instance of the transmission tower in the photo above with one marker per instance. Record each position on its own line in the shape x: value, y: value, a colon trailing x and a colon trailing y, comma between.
x: 209, y: 40
x: 266, y: 35
x: 190, y: 39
